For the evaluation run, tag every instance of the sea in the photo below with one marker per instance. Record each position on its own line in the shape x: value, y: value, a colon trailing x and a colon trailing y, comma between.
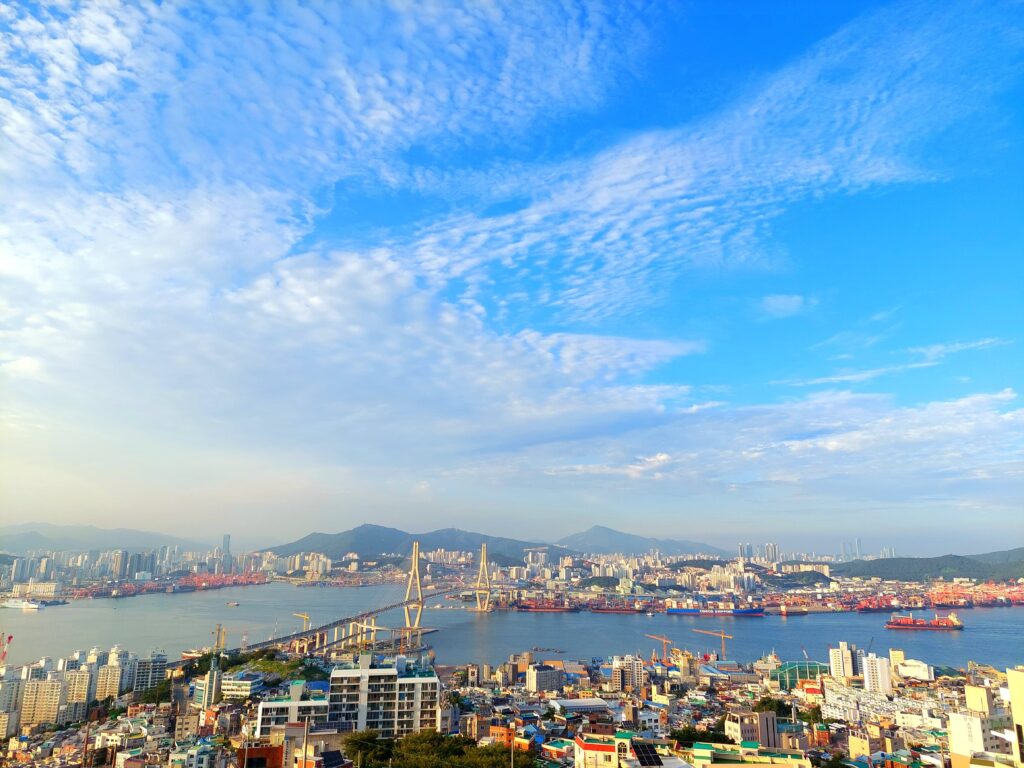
x: 177, y: 622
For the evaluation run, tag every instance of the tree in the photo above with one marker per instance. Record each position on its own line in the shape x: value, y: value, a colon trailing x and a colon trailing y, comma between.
x: 687, y: 737
x: 768, y: 704
x: 811, y: 715
x: 367, y: 749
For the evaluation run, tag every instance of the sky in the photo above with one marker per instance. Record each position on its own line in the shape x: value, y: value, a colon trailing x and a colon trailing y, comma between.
x: 725, y: 271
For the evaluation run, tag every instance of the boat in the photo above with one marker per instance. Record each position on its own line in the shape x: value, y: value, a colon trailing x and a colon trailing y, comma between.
x: 232, y: 603
x: 793, y: 610
x: 616, y: 608
x: 25, y: 605
x: 940, y: 623
x: 545, y: 606
x: 713, y: 608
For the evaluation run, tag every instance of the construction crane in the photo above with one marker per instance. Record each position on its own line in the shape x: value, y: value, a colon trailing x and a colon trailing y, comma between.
x: 665, y: 643
x: 305, y: 620
x: 220, y: 638
x: 719, y: 633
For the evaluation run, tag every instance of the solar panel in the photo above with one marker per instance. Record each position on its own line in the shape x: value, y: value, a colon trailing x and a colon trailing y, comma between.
x: 646, y: 754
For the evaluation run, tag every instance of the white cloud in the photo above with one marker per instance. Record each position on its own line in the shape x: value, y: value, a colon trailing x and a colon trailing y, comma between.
x: 779, y: 305
x: 169, y: 307
x: 930, y: 356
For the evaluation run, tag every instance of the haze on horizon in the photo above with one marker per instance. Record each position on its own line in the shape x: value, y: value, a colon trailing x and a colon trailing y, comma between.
x: 715, y: 271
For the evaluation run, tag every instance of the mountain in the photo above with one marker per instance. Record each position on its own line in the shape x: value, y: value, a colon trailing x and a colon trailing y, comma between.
x: 1003, y: 556
x: 21, y: 538
x: 942, y: 567
x: 600, y: 540
x: 369, y: 541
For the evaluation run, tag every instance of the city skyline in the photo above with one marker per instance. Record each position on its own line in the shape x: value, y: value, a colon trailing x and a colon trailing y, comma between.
x: 718, y: 272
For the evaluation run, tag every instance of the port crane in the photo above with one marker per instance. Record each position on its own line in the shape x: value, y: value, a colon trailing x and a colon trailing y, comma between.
x: 719, y: 633
x: 220, y: 638
x: 305, y: 620
x: 665, y: 643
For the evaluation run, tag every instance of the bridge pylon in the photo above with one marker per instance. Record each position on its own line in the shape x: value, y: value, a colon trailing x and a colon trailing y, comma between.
x: 483, y: 583
x: 414, y: 591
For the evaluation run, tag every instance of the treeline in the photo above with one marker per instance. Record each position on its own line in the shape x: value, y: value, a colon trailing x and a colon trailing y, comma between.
x: 430, y: 749
x: 929, y: 568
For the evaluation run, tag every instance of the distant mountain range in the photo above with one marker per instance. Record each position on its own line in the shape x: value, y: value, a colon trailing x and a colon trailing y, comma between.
x: 999, y: 566
x: 600, y: 540
x: 18, y: 539
x: 369, y: 541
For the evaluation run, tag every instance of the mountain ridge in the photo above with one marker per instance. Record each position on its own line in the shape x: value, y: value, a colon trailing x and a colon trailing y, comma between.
x: 22, y: 537
x: 369, y: 540
x: 601, y: 540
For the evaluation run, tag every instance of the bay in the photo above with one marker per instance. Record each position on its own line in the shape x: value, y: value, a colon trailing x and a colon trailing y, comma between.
x: 177, y: 622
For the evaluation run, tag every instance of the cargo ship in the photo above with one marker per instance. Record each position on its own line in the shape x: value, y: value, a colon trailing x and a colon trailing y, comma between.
x: 940, y: 623
x: 616, y: 608
x: 545, y: 606
x: 712, y: 608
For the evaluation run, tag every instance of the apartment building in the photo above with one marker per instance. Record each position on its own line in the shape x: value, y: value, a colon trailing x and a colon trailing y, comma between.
x: 393, y: 698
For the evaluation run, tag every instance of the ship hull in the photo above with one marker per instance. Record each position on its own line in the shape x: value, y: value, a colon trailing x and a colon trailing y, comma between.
x: 923, y: 628
x: 739, y: 612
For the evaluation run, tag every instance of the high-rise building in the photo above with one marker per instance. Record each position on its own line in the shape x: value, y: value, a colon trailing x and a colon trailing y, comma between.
x: 81, y: 689
x: 394, y: 699
x: 845, y: 661
x: 149, y: 672
x: 771, y: 552
x: 108, y: 682
x: 119, y: 564
x: 877, y: 678
x: 42, y: 701
x: 632, y: 671
x: 207, y: 691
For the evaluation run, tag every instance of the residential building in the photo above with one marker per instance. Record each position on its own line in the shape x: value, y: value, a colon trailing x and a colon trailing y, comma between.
x: 745, y: 725
x: 393, y: 698
x: 844, y: 661
x: 42, y: 701
x: 150, y: 672
x: 877, y: 677
x: 108, y: 682
x: 543, y: 677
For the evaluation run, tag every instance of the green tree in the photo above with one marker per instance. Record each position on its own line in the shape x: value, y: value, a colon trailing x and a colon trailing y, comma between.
x: 811, y: 715
x: 769, y: 704
x: 367, y: 749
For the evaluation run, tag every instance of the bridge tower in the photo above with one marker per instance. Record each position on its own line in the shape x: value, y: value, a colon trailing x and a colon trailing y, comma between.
x: 483, y: 582
x: 414, y: 591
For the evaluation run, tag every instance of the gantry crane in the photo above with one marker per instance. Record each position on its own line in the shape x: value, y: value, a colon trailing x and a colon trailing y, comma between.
x: 305, y: 620
x: 720, y: 634
x: 665, y: 643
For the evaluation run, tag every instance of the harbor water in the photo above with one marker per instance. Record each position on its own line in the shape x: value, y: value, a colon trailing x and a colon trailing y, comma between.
x: 178, y: 622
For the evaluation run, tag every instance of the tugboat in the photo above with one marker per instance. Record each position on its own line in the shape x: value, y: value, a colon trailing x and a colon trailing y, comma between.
x: 940, y: 623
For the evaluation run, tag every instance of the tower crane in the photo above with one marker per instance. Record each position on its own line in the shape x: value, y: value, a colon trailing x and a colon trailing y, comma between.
x: 719, y: 633
x: 305, y: 620
x: 665, y: 643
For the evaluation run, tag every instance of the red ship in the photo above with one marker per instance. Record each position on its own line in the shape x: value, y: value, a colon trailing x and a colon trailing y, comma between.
x: 940, y: 623
x: 546, y: 606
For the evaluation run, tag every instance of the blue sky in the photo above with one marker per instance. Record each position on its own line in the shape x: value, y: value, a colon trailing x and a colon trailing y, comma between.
x: 719, y: 271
